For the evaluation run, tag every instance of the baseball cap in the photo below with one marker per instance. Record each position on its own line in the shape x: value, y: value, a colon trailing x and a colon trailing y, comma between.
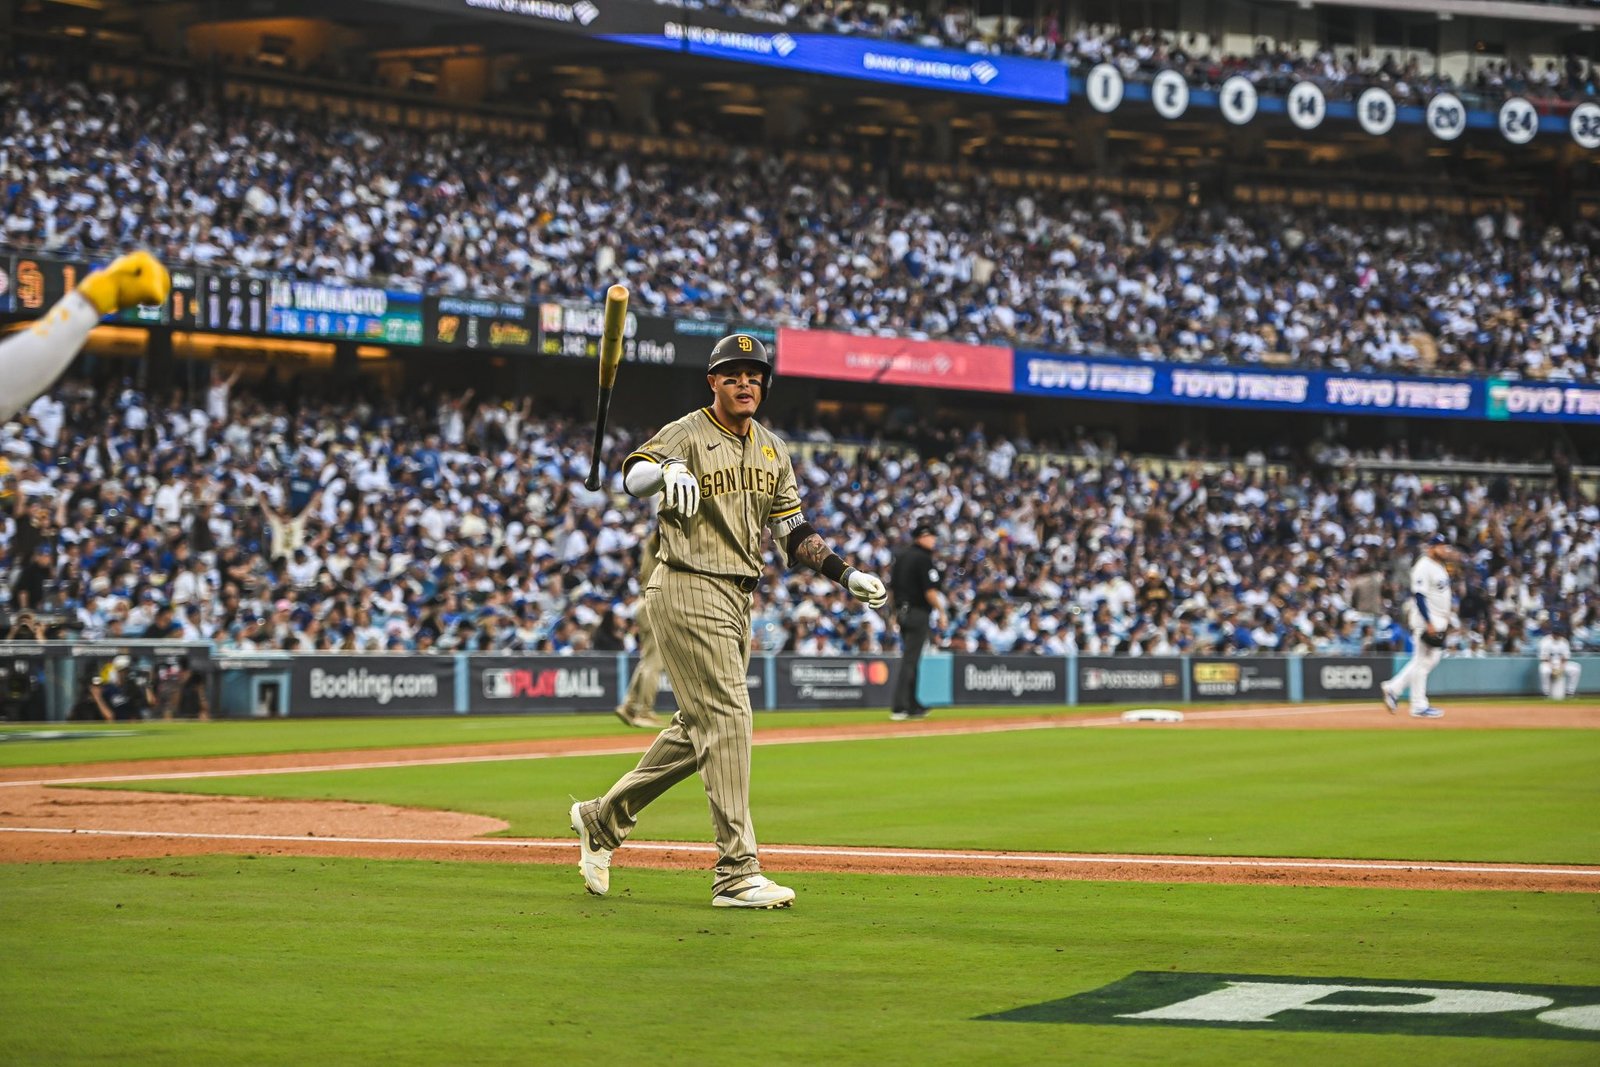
x: 923, y: 529
x: 1438, y: 539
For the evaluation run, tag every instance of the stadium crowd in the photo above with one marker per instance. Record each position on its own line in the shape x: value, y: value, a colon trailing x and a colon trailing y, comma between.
x: 1140, y: 53
x: 456, y: 523
x: 84, y: 172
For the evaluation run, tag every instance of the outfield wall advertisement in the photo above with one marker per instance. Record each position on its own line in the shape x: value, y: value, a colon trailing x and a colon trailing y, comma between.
x: 1237, y: 678
x: 835, y: 681
x: 1346, y: 677
x: 357, y: 685
x: 1008, y: 680
x: 532, y: 684
x: 1116, y: 680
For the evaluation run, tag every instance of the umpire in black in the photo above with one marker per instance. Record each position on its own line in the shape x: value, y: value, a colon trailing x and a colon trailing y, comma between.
x: 914, y: 581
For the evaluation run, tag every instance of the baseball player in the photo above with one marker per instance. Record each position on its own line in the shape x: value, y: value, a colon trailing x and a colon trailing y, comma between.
x: 35, y: 357
x: 1432, y: 615
x: 638, y: 707
x: 724, y: 479
x: 1558, y: 675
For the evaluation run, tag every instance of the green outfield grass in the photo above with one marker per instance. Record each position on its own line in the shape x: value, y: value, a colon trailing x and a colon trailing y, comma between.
x: 228, y: 960
x: 164, y: 740
x: 1507, y: 795
x: 238, y: 959
x: 173, y: 740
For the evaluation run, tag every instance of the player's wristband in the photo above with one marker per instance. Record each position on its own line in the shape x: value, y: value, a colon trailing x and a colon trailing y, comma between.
x: 835, y: 568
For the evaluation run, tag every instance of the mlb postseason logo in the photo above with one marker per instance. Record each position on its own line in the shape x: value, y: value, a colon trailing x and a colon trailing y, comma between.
x: 1340, y: 1005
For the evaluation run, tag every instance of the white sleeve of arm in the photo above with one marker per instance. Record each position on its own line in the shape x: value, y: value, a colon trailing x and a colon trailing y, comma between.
x: 644, y: 478
x: 35, y: 357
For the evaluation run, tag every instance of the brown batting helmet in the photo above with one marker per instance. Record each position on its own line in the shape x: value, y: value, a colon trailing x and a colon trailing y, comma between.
x: 743, y: 348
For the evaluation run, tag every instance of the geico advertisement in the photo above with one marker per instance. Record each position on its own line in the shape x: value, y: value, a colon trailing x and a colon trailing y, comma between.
x: 543, y: 683
x: 371, y: 685
x: 1346, y: 677
x: 1238, y: 679
x: 834, y: 681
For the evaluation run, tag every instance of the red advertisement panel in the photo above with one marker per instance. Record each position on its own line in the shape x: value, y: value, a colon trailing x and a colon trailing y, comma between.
x: 847, y: 357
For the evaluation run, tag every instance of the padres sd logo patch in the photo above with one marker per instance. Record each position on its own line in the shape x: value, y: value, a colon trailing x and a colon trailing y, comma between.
x: 770, y: 452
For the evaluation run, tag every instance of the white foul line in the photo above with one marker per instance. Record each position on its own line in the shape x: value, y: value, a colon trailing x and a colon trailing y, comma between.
x: 877, y: 735
x: 863, y: 853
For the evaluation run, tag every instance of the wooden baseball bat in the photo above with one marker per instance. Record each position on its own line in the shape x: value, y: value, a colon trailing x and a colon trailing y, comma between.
x: 610, y: 358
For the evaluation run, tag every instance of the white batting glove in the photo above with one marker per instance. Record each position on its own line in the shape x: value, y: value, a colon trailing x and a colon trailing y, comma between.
x: 866, y: 588
x: 680, y: 491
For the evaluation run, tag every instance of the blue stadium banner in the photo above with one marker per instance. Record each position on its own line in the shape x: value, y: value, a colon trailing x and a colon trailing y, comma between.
x: 1520, y: 401
x: 865, y: 58
x: 1261, y: 389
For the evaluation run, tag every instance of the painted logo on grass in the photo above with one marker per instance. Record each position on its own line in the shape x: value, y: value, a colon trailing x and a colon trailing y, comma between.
x: 1340, y: 1005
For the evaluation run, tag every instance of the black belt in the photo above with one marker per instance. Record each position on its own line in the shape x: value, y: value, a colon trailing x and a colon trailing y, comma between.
x: 745, y: 585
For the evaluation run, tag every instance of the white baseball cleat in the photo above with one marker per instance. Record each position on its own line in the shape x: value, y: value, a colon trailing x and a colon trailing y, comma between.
x: 1389, y: 700
x: 757, y: 891
x: 1427, y: 713
x: 593, y: 863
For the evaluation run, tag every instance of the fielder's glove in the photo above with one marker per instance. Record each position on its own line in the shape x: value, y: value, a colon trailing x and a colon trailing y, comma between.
x: 1433, y: 640
x: 680, y: 491
x: 866, y: 588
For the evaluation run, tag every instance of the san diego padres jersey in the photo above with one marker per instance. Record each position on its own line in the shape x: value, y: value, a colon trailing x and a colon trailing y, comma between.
x: 746, y: 484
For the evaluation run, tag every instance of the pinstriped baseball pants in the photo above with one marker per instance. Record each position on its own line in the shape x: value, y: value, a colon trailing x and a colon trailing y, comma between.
x: 703, y: 627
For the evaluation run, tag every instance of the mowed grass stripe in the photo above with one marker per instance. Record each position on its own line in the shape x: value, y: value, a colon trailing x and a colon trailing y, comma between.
x: 224, y: 960
x: 177, y: 740
x: 1494, y: 796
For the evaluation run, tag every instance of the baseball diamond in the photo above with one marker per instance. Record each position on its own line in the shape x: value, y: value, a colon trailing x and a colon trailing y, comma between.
x: 1111, y: 491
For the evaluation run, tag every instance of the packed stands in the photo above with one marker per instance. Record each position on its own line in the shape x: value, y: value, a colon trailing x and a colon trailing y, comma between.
x: 260, y: 520
x: 288, y: 192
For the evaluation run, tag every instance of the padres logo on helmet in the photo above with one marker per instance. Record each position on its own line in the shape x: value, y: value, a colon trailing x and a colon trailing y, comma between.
x: 742, y: 348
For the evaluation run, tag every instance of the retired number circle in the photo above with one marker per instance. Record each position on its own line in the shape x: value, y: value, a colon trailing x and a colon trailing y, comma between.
x: 1447, y: 116
x: 1170, y: 94
x: 1518, y: 120
x: 1104, y: 88
x: 1307, y: 105
x: 1586, y: 125
x: 1238, y: 100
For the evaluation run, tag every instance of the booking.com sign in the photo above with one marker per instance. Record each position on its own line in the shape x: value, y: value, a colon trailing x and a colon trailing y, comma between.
x: 1345, y: 1005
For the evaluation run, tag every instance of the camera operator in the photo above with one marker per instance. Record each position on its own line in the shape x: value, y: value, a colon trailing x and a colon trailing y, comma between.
x: 125, y: 694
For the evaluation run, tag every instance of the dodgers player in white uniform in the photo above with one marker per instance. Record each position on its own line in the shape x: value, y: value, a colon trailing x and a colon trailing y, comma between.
x: 1432, y: 615
x: 33, y: 358
x: 1558, y: 675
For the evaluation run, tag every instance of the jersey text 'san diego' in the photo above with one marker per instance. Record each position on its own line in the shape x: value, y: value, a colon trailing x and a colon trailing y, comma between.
x: 746, y: 484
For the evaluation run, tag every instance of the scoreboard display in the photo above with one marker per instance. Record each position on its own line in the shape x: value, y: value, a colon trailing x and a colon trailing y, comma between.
x: 486, y: 325
x: 281, y: 307
x: 231, y: 303
x: 29, y: 285
x: 226, y: 301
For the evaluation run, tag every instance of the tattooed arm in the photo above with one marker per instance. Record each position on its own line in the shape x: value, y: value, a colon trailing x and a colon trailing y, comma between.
x: 806, y: 546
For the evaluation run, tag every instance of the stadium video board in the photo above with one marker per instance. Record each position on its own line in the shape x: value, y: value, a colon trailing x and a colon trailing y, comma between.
x: 475, y: 323
x: 714, y: 35
x: 574, y: 330
x: 29, y: 285
x: 284, y: 307
x: 867, y: 59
